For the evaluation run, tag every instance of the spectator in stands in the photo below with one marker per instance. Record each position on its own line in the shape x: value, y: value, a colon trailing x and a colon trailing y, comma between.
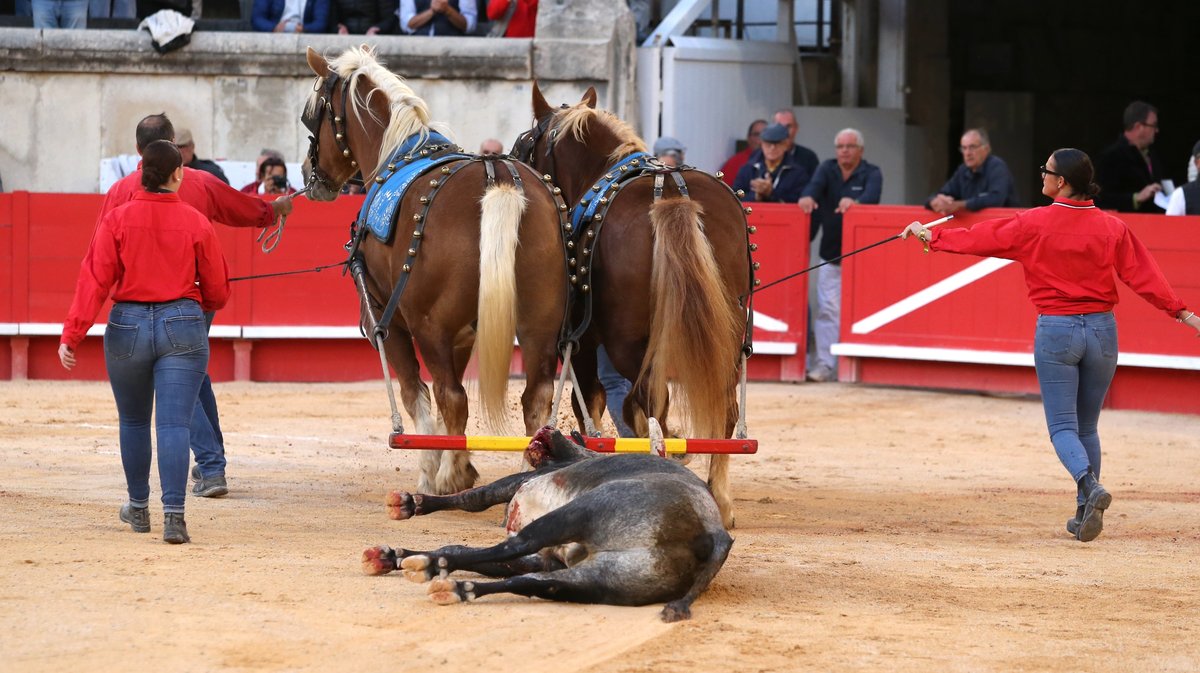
x: 160, y: 259
x: 669, y: 151
x: 512, y: 18
x: 219, y: 203
x: 803, y: 156
x: 839, y: 184
x: 773, y: 175
x: 59, y: 13
x: 291, y: 16
x: 1129, y: 171
x: 491, y: 147
x: 1072, y: 254
x: 438, y: 17
x: 734, y: 163
x: 187, y: 147
x: 1186, y: 199
x: 981, y: 181
x: 112, y: 9
x: 266, y: 153
x: 272, y: 179
x: 365, y: 17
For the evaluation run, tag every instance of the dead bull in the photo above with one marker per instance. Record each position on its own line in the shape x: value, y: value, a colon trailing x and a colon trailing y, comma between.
x: 627, y: 529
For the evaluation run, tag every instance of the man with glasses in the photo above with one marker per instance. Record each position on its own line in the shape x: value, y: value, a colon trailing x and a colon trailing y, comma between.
x: 1129, y: 171
x: 982, y: 181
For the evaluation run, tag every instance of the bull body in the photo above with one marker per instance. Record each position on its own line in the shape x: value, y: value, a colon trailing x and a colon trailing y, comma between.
x: 627, y: 529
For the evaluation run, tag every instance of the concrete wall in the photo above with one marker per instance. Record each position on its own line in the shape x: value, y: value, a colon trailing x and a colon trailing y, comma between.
x: 70, y: 98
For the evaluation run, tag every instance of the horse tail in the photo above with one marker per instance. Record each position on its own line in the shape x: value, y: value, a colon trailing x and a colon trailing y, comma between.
x: 694, y: 336
x: 503, y: 207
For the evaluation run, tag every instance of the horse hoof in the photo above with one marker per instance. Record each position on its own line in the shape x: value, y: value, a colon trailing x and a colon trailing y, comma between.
x: 444, y: 592
x: 417, y: 568
x: 378, y: 560
x: 402, y: 505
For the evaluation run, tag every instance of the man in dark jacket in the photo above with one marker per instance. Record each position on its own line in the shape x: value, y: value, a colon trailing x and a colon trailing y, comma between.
x: 773, y: 175
x: 366, y: 17
x: 291, y: 16
x: 187, y: 149
x: 1129, y: 171
x: 981, y: 181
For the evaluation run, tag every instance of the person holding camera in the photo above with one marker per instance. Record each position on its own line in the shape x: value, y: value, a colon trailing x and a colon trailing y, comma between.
x: 272, y: 178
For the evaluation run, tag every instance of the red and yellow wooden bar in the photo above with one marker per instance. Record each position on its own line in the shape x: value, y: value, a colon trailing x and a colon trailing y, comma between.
x: 597, y: 444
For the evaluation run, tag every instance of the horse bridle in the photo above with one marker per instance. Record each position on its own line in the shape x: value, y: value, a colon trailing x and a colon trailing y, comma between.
x: 313, y: 120
x: 527, y: 142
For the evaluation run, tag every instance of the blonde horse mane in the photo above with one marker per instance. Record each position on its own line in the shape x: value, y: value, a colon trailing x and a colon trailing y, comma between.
x: 408, y: 113
x: 575, y: 120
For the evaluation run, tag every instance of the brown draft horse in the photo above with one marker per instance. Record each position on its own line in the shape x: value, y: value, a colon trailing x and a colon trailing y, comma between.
x: 666, y: 276
x: 490, y: 263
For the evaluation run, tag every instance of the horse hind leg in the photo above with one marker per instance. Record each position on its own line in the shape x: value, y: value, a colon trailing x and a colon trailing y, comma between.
x: 718, y: 485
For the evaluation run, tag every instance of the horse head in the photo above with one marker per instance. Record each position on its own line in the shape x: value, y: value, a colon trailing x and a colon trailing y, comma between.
x: 577, y: 136
x: 357, y: 115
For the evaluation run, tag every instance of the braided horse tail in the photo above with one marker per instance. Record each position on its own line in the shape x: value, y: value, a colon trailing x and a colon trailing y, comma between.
x: 503, y: 207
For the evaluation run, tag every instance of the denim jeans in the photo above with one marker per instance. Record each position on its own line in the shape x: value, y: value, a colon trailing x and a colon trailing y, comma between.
x: 1075, y: 357
x: 59, y: 13
x: 616, y: 389
x: 156, y: 356
x: 207, y: 441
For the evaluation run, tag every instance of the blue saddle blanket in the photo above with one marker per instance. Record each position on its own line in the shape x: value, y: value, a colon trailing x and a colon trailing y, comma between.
x: 383, y: 198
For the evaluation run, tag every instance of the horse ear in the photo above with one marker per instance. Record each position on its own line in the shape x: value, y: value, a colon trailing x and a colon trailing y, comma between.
x: 540, y: 107
x: 317, y: 62
x: 589, y: 97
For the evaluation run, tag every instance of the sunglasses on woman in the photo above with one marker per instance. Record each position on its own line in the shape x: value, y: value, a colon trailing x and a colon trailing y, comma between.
x: 1046, y: 171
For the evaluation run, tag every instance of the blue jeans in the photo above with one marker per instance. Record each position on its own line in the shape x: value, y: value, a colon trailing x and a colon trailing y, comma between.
x: 59, y: 13
x: 156, y: 356
x: 208, y: 442
x: 1075, y: 357
x: 616, y: 389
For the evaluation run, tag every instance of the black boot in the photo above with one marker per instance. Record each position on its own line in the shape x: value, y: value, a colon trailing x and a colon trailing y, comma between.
x: 1073, y: 524
x: 175, y: 528
x: 1096, y: 500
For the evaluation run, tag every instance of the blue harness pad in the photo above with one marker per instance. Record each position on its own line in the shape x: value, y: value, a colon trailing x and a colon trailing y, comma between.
x: 587, y: 205
x: 383, y: 198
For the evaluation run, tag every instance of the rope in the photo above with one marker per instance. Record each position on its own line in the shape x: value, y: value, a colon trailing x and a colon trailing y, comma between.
x: 558, y: 389
x: 315, y: 269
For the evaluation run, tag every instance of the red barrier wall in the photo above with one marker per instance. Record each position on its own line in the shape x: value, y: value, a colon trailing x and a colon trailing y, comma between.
x: 298, y: 327
x: 898, y: 329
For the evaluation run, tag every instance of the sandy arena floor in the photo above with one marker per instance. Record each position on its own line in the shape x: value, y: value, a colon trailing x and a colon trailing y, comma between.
x: 879, y: 530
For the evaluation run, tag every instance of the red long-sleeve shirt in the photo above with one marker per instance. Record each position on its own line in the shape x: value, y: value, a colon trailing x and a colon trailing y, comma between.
x: 152, y: 249
x: 206, y: 193
x: 524, y: 18
x: 1070, y: 251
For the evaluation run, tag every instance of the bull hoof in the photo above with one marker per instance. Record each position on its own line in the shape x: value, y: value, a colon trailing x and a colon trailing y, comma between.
x: 417, y: 568
x: 676, y: 611
x: 378, y: 560
x: 444, y: 592
x: 402, y: 505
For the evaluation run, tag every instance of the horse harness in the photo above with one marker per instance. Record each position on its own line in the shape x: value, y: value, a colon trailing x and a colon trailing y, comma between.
x: 446, y: 159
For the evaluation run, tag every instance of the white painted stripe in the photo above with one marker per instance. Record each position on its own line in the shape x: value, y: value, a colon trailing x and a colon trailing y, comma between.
x: 929, y: 295
x: 766, y: 323
x: 963, y: 355
x: 9, y: 328
x: 299, y: 331
x: 225, y: 332
x: 774, y: 348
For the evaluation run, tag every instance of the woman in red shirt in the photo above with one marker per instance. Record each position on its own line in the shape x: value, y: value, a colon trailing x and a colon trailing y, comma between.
x: 1070, y: 251
x: 160, y: 259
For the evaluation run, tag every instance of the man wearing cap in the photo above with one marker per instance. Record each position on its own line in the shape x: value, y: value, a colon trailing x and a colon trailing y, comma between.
x: 1186, y: 199
x: 772, y: 176
x: 734, y: 163
x: 669, y: 151
x: 187, y: 149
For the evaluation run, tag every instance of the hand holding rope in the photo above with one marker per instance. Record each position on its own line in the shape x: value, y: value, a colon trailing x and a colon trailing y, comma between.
x: 270, y: 239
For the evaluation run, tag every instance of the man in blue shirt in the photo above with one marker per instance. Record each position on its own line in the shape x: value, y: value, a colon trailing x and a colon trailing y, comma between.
x: 838, y: 185
x: 772, y: 174
x: 982, y: 181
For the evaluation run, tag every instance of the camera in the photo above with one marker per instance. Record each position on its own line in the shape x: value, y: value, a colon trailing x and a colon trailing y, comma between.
x: 279, y: 182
